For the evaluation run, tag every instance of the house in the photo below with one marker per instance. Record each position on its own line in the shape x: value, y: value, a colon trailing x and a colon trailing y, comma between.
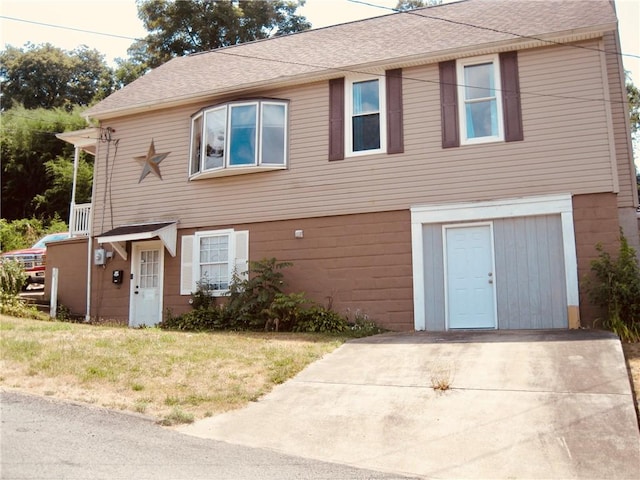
x: 449, y: 167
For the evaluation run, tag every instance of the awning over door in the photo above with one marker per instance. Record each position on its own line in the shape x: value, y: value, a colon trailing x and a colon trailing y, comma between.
x: 166, y: 231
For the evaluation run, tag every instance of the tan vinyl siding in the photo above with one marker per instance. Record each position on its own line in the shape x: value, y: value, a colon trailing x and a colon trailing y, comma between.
x: 565, y: 149
x: 619, y: 112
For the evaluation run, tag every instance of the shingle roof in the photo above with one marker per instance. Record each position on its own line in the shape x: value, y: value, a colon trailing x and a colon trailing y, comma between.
x: 390, y: 40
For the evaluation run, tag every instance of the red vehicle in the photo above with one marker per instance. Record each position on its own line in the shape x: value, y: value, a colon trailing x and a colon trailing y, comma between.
x: 34, y: 259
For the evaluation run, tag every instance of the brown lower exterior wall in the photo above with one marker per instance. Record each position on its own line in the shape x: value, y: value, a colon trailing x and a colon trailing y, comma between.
x: 355, y: 262
x: 595, y: 219
x: 70, y: 258
x: 109, y: 301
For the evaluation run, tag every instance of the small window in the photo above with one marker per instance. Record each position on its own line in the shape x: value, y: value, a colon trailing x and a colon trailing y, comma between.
x: 209, y: 259
x: 365, y: 105
x: 214, y: 261
x: 481, y: 104
x: 240, y: 137
x: 213, y: 258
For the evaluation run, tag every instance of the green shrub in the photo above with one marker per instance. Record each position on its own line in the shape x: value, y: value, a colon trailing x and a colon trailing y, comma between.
x: 321, y: 320
x: 12, y: 278
x: 258, y: 303
x: 203, y: 297
x: 250, y: 299
x: 199, y: 320
x: 285, y: 310
x: 360, y: 325
x: 617, y: 288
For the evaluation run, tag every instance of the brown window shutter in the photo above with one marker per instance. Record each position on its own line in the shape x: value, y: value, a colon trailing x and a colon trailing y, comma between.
x: 336, y: 119
x: 449, y: 104
x: 511, y: 107
x: 395, y: 135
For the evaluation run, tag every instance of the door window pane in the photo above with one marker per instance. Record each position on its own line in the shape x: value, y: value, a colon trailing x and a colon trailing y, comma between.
x: 149, y: 268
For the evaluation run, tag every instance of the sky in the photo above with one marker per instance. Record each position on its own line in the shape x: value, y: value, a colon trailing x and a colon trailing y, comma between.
x: 119, y: 18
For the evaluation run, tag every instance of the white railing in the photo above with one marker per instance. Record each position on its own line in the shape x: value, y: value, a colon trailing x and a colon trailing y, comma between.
x: 80, y: 219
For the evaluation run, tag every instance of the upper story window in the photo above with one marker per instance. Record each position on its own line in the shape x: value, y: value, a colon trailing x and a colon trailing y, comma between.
x: 239, y: 137
x: 480, y: 105
x: 365, y: 115
x: 365, y: 103
x: 480, y: 100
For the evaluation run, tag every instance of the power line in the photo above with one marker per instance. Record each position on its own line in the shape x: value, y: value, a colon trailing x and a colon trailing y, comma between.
x: 225, y: 51
x: 421, y: 80
x: 495, y: 30
x: 50, y: 25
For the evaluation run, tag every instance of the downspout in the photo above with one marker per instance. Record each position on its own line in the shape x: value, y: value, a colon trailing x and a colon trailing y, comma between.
x: 87, y: 316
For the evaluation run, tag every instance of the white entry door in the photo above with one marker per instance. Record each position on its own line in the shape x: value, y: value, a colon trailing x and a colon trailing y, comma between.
x: 470, y: 282
x: 147, y: 272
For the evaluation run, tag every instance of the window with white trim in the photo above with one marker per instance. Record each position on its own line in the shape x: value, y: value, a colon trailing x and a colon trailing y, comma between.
x: 239, y: 137
x: 366, y: 115
x: 211, y: 258
x: 480, y: 105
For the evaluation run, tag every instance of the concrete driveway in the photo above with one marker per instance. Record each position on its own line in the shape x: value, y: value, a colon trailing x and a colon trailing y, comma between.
x: 527, y: 404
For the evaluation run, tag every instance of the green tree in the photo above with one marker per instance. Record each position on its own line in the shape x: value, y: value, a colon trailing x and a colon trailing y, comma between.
x: 633, y: 95
x: 27, y: 146
x: 44, y: 76
x: 56, y: 198
x: 178, y: 28
x: 406, y: 5
x: 25, y: 232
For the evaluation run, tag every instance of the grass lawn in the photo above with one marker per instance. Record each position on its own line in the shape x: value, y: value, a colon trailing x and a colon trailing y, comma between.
x: 174, y: 376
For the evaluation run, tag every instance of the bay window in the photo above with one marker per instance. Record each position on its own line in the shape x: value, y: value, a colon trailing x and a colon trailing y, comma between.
x: 239, y: 137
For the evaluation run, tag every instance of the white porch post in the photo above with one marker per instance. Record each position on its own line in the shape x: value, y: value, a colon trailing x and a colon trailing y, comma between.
x: 72, y: 206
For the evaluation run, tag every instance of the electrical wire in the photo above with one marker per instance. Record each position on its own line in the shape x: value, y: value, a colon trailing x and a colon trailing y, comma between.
x: 228, y: 51
x: 51, y: 25
x: 418, y: 13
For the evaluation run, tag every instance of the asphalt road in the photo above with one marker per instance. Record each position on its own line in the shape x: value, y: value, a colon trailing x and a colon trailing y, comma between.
x: 42, y: 438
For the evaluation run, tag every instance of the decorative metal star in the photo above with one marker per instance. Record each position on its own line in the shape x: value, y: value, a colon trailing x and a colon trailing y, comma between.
x: 151, y: 162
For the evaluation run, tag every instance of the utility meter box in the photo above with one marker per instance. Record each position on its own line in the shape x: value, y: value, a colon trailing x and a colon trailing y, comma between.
x: 99, y: 256
x: 117, y: 276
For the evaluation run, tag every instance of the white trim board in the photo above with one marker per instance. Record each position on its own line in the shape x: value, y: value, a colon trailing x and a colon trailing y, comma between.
x: 487, y: 210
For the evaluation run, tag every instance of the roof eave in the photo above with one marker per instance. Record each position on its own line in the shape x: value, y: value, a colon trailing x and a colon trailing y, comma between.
x: 521, y: 43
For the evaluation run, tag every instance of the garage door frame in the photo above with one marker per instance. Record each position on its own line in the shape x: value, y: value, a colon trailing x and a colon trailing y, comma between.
x: 560, y: 204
